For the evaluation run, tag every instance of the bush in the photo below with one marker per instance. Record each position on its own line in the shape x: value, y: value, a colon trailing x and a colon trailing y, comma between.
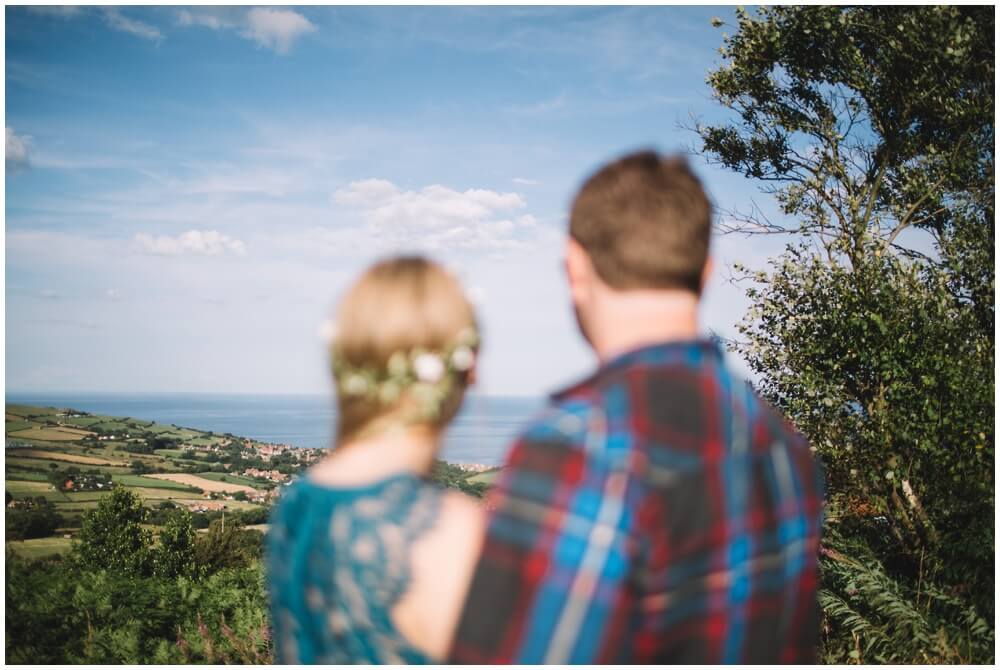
x: 112, y: 538
x: 57, y: 612
x: 38, y: 520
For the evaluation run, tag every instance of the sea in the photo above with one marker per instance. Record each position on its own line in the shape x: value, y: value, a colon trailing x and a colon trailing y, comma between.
x: 481, y: 433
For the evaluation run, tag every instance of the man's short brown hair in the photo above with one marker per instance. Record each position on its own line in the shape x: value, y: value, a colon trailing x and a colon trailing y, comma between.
x: 645, y: 221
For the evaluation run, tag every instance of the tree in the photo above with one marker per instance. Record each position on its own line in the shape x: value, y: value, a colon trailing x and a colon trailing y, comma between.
x: 174, y: 556
x: 40, y: 519
x: 111, y: 537
x: 56, y: 478
x: 226, y: 545
x: 139, y: 467
x: 868, y: 124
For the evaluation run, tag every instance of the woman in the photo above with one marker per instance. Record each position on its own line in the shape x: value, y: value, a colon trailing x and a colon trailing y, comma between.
x: 369, y: 562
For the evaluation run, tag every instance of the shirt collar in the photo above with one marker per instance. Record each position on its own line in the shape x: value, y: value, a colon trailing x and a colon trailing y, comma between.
x: 709, y: 346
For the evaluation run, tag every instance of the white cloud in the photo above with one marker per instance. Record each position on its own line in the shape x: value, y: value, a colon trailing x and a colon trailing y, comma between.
x: 525, y: 182
x: 116, y: 20
x: 215, y: 18
x: 17, y: 150
x: 204, y: 243
x: 276, y: 28
x: 435, y: 217
x: 113, y: 294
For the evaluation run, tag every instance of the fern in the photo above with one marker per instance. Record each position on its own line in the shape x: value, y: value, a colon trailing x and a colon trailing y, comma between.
x: 871, y: 615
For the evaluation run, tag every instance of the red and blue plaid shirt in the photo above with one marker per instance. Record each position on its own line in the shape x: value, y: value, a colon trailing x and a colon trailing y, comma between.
x: 659, y: 512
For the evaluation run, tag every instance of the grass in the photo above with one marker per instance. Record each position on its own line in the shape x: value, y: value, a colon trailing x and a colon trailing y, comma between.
x: 239, y: 505
x: 39, y: 548
x: 73, y: 431
x: 62, y: 456
x: 172, y: 453
x: 30, y: 410
x: 151, y: 483
x: 166, y: 494
x: 484, y: 477
x: 186, y: 462
x: 111, y: 426
x: 24, y: 489
x: 44, y: 464
x: 47, y: 433
x: 86, y: 496
x: 231, y: 479
x: 205, y: 441
x: 85, y: 421
x: 14, y: 426
x: 27, y: 476
x: 203, y: 483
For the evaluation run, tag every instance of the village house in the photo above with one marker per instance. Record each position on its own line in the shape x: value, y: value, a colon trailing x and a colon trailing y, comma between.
x: 205, y: 506
x: 271, y: 475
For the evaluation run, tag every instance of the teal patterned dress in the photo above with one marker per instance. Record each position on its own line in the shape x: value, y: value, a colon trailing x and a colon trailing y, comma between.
x: 337, y: 561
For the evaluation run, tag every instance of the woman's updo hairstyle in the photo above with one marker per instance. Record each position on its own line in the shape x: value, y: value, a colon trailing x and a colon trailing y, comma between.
x: 405, y: 344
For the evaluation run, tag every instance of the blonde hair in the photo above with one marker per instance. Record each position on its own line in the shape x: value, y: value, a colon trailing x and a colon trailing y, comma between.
x: 398, y: 306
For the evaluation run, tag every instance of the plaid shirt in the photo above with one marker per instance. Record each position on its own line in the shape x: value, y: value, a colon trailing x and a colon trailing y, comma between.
x: 659, y: 512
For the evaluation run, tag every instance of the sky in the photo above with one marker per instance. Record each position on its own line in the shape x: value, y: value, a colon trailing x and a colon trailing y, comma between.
x: 190, y: 189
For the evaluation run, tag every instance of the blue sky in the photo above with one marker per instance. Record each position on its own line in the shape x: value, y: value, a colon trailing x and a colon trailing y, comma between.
x: 189, y: 189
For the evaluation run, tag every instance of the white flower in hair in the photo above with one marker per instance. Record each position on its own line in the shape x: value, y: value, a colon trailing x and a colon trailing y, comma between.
x: 355, y: 385
x: 462, y: 358
x: 398, y: 364
x: 428, y: 368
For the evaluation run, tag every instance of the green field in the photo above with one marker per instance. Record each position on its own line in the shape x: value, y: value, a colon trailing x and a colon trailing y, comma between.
x: 484, y: 477
x: 149, y: 483
x: 165, y: 494
x: 44, y: 464
x: 47, y: 433
x: 28, y: 410
x: 205, y: 441
x: 27, y: 476
x: 14, y: 426
x: 84, y: 421
x: 170, y: 453
x: 86, y: 496
x: 45, y: 546
x: 232, y: 479
x: 158, y: 428
x: 25, y: 489
x: 186, y: 462
x: 111, y: 426
x: 240, y: 505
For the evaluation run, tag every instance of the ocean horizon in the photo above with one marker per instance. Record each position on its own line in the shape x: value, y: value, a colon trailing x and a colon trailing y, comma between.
x: 481, y: 433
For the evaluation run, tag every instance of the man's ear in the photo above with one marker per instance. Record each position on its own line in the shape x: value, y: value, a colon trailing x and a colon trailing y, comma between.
x: 706, y: 273
x: 579, y: 270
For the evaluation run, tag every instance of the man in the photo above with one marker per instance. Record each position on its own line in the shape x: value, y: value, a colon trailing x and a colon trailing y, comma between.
x: 659, y: 512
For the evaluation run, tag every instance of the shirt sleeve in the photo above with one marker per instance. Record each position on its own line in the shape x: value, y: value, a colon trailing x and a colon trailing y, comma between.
x: 551, y: 583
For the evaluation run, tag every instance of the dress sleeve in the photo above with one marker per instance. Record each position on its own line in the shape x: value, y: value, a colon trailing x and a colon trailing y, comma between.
x: 551, y: 583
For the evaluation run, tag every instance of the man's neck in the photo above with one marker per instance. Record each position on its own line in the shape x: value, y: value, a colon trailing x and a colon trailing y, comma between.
x: 630, y: 320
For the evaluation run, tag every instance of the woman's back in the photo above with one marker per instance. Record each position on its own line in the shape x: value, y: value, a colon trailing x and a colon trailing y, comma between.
x: 367, y: 561
x: 353, y: 568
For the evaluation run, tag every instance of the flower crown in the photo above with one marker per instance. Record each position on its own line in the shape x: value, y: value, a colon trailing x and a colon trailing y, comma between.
x: 429, y: 374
